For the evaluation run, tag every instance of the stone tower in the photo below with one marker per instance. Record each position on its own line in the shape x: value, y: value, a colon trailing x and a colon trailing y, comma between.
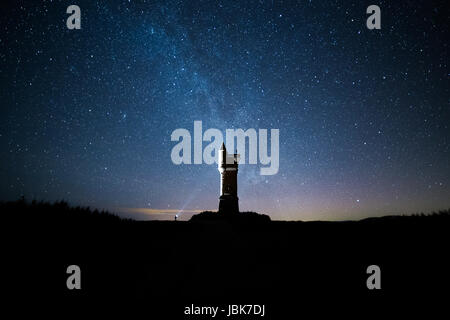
x: 228, y: 167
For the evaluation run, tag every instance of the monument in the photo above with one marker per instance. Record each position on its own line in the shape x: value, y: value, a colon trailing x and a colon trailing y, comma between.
x: 228, y: 168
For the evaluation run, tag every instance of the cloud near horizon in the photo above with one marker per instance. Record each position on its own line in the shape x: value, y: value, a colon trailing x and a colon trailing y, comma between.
x: 156, y: 214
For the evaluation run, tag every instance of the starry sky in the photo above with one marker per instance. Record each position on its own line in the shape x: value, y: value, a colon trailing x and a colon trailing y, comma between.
x: 86, y: 115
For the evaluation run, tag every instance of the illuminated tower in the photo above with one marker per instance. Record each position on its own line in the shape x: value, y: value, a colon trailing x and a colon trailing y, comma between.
x: 228, y: 167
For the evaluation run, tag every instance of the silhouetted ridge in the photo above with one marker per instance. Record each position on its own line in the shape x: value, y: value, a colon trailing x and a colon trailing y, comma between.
x: 239, y: 217
x: 61, y: 211
x: 228, y: 257
x: 58, y: 211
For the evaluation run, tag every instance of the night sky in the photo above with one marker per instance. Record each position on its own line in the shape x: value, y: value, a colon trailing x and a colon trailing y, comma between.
x: 86, y: 115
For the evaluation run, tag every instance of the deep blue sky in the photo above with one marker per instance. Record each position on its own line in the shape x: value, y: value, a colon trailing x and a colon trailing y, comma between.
x: 86, y: 115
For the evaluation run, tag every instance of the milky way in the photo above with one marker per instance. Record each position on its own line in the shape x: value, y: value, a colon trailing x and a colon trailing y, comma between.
x: 86, y: 115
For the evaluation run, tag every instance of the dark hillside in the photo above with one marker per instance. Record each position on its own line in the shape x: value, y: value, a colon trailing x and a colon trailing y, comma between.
x: 166, y: 263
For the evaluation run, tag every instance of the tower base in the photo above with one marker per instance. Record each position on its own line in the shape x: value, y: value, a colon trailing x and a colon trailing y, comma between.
x: 228, y: 204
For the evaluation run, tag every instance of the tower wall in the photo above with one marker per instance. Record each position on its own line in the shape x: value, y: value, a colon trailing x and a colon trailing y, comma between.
x: 228, y: 204
x: 228, y: 182
x: 228, y: 167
